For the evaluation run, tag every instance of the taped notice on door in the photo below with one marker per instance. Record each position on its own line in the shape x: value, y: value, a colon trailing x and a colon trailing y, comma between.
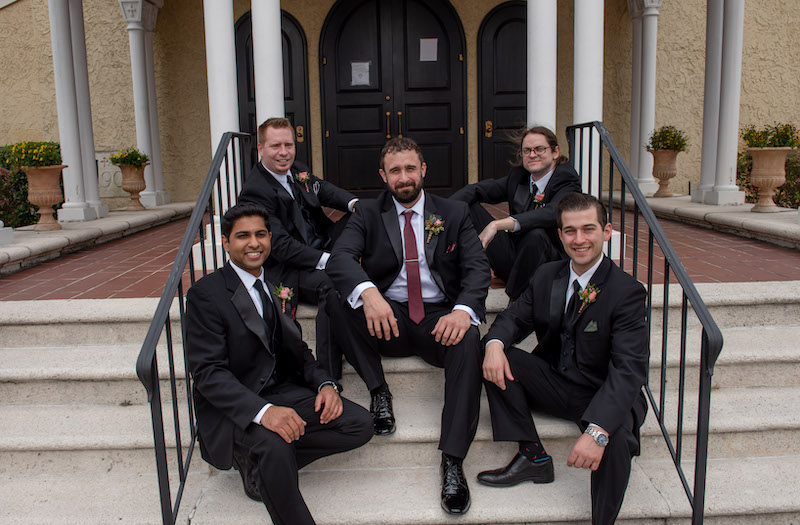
x: 359, y: 73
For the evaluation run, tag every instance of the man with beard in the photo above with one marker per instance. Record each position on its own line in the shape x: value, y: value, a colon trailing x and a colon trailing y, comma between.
x: 519, y: 244
x: 412, y: 269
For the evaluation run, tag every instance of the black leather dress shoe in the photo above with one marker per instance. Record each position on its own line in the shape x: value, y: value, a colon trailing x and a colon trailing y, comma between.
x: 520, y: 469
x: 455, y: 493
x: 382, y: 415
x: 247, y: 470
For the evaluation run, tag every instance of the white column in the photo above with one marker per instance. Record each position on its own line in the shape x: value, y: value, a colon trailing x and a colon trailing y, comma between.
x: 647, y: 117
x: 587, y: 82
x: 542, y: 63
x: 635, y: 8
x: 711, y: 93
x: 84, y: 109
x: 159, y: 195
x: 265, y: 16
x: 75, y: 207
x: 223, y: 105
x: 725, y: 190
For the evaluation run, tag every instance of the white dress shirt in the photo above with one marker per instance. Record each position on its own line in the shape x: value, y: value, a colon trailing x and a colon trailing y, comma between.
x: 541, y: 184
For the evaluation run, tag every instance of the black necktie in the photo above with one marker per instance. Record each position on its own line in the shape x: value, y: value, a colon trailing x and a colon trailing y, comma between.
x: 534, y: 190
x: 314, y: 239
x: 572, y: 307
x: 266, y: 307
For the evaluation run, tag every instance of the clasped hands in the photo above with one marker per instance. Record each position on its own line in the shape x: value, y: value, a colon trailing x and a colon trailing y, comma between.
x: 285, y: 422
x: 382, y: 323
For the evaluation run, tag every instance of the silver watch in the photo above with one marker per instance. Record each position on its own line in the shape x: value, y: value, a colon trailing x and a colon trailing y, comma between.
x: 599, y: 438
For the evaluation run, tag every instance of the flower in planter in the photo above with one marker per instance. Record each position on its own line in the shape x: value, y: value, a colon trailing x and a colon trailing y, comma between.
x: 667, y: 137
x: 31, y: 154
x: 777, y: 136
x: 129, y: 157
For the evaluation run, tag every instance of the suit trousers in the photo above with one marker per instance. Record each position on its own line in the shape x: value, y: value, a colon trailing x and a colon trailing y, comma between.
x: 515, y: 257
x: 315, y: 287
x: 461, y: 363
x: 539, y: 387
x: 278, y: 461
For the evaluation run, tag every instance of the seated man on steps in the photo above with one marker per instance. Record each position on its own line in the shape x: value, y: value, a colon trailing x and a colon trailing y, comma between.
x: 302, y: 233
x: 415, y: 276
x: 519, y: 244
x: 589, y: 365
x: 263, y: 403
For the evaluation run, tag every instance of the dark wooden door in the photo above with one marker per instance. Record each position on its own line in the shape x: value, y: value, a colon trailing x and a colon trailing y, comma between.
x: 295, y: 81
x: 390, y: 68
x: 502, y: 87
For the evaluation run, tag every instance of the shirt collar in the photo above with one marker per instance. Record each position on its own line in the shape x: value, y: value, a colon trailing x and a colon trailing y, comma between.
x: 419, y: 207
x: 541, y: 184
x: 278, y: 176
x: 583, y: 280
x: 247, y: 278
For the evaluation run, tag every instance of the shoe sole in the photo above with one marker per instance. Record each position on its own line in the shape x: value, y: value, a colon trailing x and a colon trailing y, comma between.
x: 535, y: 481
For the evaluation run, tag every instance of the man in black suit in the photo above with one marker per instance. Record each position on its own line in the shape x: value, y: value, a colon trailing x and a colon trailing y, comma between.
x: 302, y: 233
x: 412, y: 269
x: 263, y: 403
x: 588, y: 367
x: 520, y: 243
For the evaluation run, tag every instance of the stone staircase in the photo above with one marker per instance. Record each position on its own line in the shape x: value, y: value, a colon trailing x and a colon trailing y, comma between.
x: 76, y: 441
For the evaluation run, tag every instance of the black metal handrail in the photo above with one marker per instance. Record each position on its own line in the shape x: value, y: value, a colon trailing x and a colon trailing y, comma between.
x: 219, y: 191
x: 588, y: 158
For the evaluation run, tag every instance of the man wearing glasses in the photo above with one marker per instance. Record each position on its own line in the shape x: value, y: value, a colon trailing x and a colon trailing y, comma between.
x: 519, y: 244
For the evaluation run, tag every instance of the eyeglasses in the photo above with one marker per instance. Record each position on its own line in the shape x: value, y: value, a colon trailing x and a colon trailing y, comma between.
x: 538, y: 150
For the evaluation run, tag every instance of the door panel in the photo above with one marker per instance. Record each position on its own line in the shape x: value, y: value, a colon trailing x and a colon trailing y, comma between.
x: 502, y: 87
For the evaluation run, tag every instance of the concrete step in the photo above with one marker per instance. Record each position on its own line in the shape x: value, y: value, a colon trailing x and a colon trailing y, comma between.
x: 739, y: 491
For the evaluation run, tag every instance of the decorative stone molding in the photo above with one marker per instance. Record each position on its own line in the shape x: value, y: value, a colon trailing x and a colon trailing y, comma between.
x: 141, y: 12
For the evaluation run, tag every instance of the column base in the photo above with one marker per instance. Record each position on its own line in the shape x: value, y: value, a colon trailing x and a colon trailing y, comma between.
x: 76, y: 214
x: 152, y: 198
x: 6, y: 235
x: 649, y: 188
x: 100, y: 209
x: 724, y: 197
x: 699, y: 195
x: 208, y: 247
x: 616, y: 241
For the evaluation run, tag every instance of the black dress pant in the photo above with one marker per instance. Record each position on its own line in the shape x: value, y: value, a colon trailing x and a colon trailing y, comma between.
x: 538, y: 387
x: 278, y: 461
x: 461, y: 363
x: 515, y: 257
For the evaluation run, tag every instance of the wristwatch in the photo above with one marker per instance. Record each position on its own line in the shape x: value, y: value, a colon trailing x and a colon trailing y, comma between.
x: 599, y: 438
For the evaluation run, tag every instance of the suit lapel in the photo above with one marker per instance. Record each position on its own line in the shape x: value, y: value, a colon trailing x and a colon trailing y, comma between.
x: 288, y: 202
x: 244, y: 306
x: 558, y: 292
x: 522, y: 196
x: 392, y: 225
x: 430, y: 247
x: 597, y: 279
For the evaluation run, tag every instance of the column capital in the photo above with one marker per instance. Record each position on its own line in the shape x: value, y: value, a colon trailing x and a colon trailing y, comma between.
x: 141, y: 12
x: 637, y: 8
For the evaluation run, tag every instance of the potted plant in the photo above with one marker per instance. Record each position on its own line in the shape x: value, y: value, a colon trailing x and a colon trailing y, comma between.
x: 41, y: 162
x: 131, y: 162
x: 769, y: 147
x: 665, y: 144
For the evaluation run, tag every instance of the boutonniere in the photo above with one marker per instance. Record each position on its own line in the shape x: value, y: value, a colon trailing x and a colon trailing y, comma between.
x: 285, y: 294
x: 538, y: 199
x: 588, y: 295
x: 434, y: 226
x: 302, y: 178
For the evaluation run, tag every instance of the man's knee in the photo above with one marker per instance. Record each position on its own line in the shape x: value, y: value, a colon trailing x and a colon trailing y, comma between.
x: 534, y: 240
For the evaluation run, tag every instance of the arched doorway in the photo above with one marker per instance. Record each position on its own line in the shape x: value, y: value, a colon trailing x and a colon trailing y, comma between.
x: 392, y: 67
x: 295, y: 81
x: 502, y: 86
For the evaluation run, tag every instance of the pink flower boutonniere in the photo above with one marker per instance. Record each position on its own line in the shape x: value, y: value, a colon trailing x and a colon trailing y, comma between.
x: 302, y: 178
x: 588, y: 295
x: 434, y: 226
x: 538, y: 199
x: 285, y: 294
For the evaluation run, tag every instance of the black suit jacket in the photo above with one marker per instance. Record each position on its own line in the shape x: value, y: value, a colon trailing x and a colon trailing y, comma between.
x: 610, y: 336
x: 514, y: 188
x: 290, y: 249
x: 231, y: 359
x: 371, y: 249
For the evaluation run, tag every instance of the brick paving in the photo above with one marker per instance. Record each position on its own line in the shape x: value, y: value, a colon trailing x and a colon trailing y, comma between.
x: 138, y: 266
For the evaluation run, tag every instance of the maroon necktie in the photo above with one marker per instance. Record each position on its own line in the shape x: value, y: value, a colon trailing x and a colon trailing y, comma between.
x: 416, y: 309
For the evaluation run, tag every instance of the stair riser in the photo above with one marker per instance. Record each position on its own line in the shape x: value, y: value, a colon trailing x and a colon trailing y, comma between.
x: 734, y: 315
x: 122, y: 392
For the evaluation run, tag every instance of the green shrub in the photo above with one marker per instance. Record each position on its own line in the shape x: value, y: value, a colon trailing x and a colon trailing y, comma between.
x: 779, y: 135
x: 787, y: 196
x: 15, y: 210
x: 667, y: 137
x: 129, y: 157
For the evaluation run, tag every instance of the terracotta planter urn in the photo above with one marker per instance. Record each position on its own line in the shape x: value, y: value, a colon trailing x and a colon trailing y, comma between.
x: 133, y: 183
x: 768, y: 175
x: 45, y: 192
x: 664, y: 168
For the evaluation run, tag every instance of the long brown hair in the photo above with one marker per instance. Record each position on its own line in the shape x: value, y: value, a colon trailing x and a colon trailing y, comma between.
x: 518, y: 136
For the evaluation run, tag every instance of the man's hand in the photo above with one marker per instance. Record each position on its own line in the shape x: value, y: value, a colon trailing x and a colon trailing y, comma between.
x: 495, y: 365
x: 285, y: 422
x: 488, y: 233
x: 381, y: 321
x: 328, y: 398
x: 450, y: 329
x: 586, y: 453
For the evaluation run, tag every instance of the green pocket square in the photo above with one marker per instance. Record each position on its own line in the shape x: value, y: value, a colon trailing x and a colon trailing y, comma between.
x: 591, y: 327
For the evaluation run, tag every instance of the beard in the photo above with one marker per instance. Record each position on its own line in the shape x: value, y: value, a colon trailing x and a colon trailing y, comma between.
x: 406, y: 193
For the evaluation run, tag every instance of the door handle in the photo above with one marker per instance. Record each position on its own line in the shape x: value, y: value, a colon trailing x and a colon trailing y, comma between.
x: 388, y: 125
x: 487, y: 127
x: 300, y: 134
x: 399, y: 123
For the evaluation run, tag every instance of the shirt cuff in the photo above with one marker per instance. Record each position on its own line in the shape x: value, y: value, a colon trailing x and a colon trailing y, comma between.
x: 473, y: 318
x: 319, y: 388
x: 493, y: 340
x: 323, y: 261
x: 516, y: 224
x: 257, y: 419
x: 598, y: 427
x: 351, y: 205
x: 354, y: 299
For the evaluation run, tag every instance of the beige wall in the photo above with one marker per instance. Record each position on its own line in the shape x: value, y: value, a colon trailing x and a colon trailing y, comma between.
x: 27, y: 95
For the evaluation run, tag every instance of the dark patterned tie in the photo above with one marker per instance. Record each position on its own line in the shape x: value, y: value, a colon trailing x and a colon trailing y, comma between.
x: 416, y: 309
x: 266, y: 307
x: 572, y: 308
